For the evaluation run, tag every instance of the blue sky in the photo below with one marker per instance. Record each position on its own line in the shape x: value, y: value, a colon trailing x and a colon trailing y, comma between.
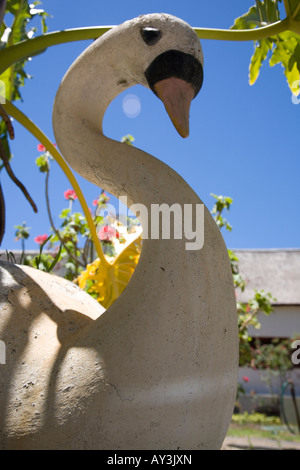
x: 243, y: 143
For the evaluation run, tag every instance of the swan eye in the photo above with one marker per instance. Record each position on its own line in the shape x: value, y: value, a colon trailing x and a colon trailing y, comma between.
x: 150, y: 35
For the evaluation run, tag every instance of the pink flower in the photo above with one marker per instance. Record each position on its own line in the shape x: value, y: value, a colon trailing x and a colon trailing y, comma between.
x: 95, y: 202
x: 245, y: 378
x: 41, y: 148
x: 70, y: 194
x: 40, y: 239
x: 107, y: 232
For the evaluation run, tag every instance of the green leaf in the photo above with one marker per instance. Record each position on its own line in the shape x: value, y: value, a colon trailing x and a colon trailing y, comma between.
x: 232, y: 255
x: 55, y: 261
x: 287, y: 52
x: 264, y: 12
x: 260, y: 54
x: 284, y: 47
x: 249, y: 20
x: 22, y: 13
x: 223, y: 202
x: 128, y: 139
x: 64, y: 213
x: 22, y: 231
x: 43, y: 163
x: 10, y: 257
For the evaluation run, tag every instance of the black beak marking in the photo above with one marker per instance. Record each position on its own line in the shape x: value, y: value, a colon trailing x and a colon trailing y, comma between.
x: 177, y: 64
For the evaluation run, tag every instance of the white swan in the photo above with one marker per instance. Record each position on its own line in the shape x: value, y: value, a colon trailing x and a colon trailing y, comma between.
x: 158, y: 370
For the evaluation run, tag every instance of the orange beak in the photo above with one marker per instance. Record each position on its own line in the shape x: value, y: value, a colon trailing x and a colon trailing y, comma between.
x: 176, y: 94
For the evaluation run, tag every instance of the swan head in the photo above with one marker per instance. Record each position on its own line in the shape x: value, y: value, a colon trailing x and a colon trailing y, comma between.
x: 164, y: 54
x: 175, y: 75
x: 158, y: 51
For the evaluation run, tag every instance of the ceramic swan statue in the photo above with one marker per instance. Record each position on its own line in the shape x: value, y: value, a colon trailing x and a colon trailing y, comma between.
x: 158, y: 369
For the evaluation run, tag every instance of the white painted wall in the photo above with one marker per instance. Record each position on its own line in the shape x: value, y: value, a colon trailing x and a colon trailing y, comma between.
x: 284, y: 322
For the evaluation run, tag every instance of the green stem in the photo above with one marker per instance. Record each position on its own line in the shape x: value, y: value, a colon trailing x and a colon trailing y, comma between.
x: 16, y: 16
x: 10, y: 42
x: 29, y: 47
x: 76, y: 261
x: 258, y: 6
x: 244, y: 34
x: 23, y: 251
x: 84, y: 251
x: 41, y: 137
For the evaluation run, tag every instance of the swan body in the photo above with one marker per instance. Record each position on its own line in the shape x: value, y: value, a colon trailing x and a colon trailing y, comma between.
x: 158, y: 369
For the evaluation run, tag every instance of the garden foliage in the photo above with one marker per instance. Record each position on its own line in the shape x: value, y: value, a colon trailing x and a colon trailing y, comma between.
x: 94, y: 251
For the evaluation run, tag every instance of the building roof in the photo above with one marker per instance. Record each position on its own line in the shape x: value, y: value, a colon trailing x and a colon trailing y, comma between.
x: 273, y: 270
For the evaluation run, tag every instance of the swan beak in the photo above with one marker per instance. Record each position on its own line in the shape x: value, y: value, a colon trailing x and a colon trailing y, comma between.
x: 176, y: 94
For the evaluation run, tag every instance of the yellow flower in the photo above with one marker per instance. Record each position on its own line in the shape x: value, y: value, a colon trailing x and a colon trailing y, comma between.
x: 107, y: 281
